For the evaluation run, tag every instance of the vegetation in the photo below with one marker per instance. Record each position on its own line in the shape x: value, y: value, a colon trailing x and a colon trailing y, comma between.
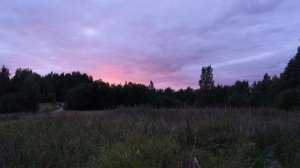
x: 48, y: 107
x: 144, y: 137
x: 206, y: 84
x: 26, y: 89
x: 237, y: 125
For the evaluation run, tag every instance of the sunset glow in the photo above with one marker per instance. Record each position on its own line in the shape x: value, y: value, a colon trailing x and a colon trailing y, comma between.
x: 160, y: 40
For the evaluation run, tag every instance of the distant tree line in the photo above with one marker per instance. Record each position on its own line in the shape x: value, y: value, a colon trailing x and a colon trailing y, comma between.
x: 23, y: 91
x: 281, y: 91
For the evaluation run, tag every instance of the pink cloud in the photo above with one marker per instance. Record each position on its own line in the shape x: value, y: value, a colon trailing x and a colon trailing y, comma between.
x: 167, y: 42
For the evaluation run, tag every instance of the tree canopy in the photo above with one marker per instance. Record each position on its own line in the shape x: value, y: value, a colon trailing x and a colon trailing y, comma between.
x: 25, y: 89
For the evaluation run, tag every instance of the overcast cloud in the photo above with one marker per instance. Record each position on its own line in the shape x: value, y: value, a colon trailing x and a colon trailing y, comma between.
x: 167, y: 41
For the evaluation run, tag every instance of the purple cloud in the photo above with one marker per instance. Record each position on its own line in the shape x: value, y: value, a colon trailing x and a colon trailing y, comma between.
x: 164, y: 41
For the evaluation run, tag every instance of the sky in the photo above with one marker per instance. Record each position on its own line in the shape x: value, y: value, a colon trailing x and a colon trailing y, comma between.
x: 166, y: 41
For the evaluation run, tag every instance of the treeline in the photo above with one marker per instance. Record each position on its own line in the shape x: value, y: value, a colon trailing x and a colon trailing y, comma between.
x: 26, y: 88
x: 23, y: 91
x: 281, y: 91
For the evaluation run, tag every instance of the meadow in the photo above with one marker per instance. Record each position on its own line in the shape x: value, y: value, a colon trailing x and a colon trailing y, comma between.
x: 145, y: 137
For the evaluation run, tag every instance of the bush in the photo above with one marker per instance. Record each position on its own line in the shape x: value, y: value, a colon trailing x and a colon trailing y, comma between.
x: 26, y: 100
x: 51, y: 98
x: 30, y: 93
x: 288, y: 99
x: 11, y: 103
x: 80, y: 98
x: 237, y: 99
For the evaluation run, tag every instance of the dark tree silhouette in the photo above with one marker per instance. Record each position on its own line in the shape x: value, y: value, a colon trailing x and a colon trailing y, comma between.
x: 291, y: 73
x: 288, y: 99
x: 4, y: 81
x: 29, y: 91
x: 206, y: 84
x: 206, y: 81
x: 79, y: 91
x: 240, y: 94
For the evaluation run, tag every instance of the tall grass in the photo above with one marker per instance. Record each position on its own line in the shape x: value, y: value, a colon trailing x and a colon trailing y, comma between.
x: 143, y: 137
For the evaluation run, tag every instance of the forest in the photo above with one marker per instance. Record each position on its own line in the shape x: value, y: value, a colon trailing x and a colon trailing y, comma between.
x: 26, y: 89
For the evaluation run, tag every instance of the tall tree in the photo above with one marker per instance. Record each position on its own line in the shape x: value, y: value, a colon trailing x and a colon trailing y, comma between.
x: 206, y: 79
x: 4, y: 81
x: 30, y: 93
x: 151, y: 85
x: 291, y: 73
x: 206, y: 84
x: 239, y: 94
x: 20, y: 76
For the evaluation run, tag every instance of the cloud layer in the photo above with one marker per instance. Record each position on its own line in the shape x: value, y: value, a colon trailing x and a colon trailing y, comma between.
x: 160, y: 40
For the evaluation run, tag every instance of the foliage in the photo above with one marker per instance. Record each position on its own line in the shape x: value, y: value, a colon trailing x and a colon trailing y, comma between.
x: 144, y: 137
x: 12, y: 102
x: 81, y: 92
x: 22, y: 94
x: 206, y: 84
x: 291, y: 73
x: 288, y: 99
x: 4, y: 81
x: 206, y: 79
x: 51, y: 98
x: 48, y: 107
x: 29, y: 91
x: 239, y: 95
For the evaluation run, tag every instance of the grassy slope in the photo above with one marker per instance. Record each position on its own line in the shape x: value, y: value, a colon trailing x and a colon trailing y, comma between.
x: 153, y: 138
x: 48, y: 107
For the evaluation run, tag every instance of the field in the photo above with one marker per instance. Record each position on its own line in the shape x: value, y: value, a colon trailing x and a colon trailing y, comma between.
x: 143, y: 137
x: 48, y: 107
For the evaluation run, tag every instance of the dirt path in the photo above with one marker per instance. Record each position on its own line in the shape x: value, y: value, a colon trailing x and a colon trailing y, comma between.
x: 61, y: 109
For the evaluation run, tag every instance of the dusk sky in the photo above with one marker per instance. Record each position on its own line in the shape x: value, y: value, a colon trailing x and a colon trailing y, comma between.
x: 167, y: 41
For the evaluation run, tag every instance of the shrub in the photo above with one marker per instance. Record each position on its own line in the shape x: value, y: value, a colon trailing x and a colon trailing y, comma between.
x: 288, y: 99
x: 11, y: 103
x: 30, y: 93
x: 237, y: 99
x: 80, y: 98
x: 51, y: 98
